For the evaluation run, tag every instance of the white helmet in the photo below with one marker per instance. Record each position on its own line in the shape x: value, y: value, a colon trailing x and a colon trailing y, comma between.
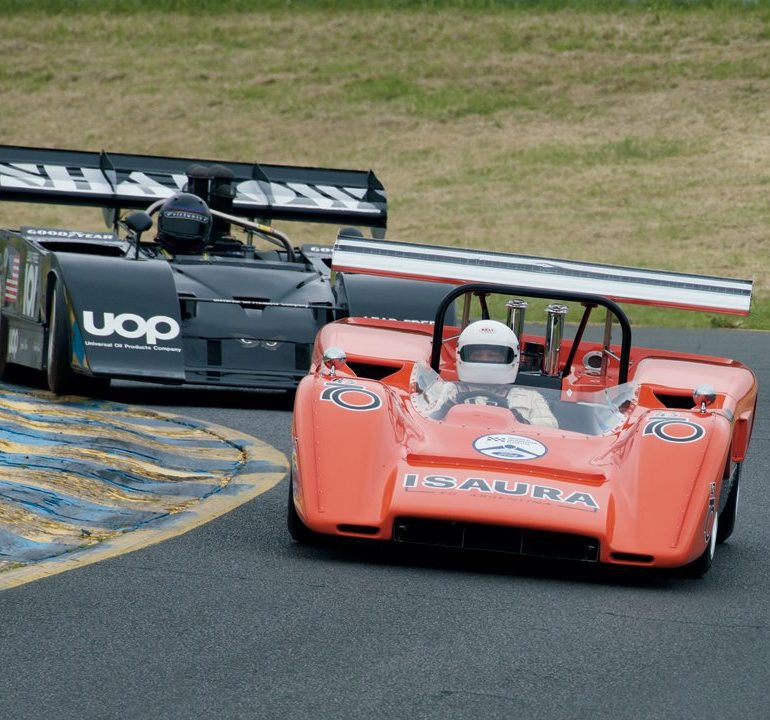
x: 487, y: 352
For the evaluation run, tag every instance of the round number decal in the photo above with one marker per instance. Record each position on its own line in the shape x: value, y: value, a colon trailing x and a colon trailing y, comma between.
x: 676, y: 430
x: 351, y: 396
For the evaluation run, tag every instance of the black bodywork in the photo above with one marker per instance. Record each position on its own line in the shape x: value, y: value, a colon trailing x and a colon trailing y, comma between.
x: 86, y: 307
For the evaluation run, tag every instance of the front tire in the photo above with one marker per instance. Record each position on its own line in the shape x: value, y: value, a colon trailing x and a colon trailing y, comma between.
x: 698, y: 568
x: 299, y: 532
x: 730, y: 510
x: 61, y: 378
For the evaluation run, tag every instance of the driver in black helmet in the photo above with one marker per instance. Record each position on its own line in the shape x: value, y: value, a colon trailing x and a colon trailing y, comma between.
x: 184, y: 224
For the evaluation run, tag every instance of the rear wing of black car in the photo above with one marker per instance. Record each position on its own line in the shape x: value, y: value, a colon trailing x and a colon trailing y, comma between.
x: 118, y: 181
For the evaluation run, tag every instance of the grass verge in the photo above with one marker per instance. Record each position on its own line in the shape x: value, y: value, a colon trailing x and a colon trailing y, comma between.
x: 634, y: 135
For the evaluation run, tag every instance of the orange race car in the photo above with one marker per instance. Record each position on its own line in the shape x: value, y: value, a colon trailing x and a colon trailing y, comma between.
x: 480, y: 433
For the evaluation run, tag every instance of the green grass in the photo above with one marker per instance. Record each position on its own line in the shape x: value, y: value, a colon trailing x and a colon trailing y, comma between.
x: 626, y: 150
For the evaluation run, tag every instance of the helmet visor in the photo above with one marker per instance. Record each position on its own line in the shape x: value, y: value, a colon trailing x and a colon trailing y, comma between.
x: 187, y: 225
x: 495, y: 354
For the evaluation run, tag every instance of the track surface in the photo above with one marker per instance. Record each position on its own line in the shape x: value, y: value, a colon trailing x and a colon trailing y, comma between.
x: 234, y: 621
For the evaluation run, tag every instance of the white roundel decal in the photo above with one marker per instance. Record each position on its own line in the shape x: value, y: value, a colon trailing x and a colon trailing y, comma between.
x: 509, y: 447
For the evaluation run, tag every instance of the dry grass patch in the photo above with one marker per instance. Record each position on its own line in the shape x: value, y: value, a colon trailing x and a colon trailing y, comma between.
x: 635, y: 138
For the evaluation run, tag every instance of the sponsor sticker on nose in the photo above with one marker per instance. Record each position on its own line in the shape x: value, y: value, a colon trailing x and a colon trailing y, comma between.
x: 509, y: 447
x: 132, y: 327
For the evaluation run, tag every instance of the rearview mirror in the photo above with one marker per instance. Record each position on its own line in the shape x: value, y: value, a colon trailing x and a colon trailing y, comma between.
x: 704, y: 395
x: 334, y: 358
x: 138, y: 222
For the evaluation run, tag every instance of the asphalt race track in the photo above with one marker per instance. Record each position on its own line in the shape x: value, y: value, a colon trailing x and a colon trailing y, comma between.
x: 232, y: 620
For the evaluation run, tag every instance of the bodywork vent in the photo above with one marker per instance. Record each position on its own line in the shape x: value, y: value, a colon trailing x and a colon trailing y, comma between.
x: 632, y: 558
x: 495, y: 538
x: 683, y: 402
x: 83, y: 248
x: 372, y: 371
x: 359, y: 529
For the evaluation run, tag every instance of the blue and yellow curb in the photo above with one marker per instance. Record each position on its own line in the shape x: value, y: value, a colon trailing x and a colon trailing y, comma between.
x: 83, y: 480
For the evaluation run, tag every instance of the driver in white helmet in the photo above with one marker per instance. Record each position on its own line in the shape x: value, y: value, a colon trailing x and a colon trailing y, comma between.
x: 487, y: 366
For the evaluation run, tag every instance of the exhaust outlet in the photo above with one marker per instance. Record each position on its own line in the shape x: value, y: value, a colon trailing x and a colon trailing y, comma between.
x: 514, y: 317
x: 554, y: 330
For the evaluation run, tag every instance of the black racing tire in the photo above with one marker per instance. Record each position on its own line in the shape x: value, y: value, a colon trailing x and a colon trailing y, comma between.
x: 299, y: 532
x: 12, y: 372
x: 62, y: 380
x: 729, y: 512
x: 699, y: 567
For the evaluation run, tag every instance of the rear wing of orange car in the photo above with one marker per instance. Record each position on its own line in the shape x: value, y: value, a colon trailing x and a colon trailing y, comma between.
x: 118, y: 181
x: 452, y: 265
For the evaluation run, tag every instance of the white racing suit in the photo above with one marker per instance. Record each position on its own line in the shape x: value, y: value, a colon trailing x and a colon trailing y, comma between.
x: 525, y: 403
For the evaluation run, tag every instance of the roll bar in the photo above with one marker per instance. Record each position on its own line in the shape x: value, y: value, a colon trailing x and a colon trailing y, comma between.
x: 589, y: 301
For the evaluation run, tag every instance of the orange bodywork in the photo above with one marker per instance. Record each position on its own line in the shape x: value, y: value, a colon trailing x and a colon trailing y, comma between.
x: 641, y: 494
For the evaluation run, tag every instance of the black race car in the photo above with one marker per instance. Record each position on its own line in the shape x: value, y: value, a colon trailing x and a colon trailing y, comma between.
x: 203, y: 301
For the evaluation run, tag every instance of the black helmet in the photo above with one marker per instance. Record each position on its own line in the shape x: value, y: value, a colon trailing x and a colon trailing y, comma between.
x: 184, y: 224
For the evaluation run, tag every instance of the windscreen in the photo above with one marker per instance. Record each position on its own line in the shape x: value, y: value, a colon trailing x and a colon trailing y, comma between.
x: 589, y: 413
